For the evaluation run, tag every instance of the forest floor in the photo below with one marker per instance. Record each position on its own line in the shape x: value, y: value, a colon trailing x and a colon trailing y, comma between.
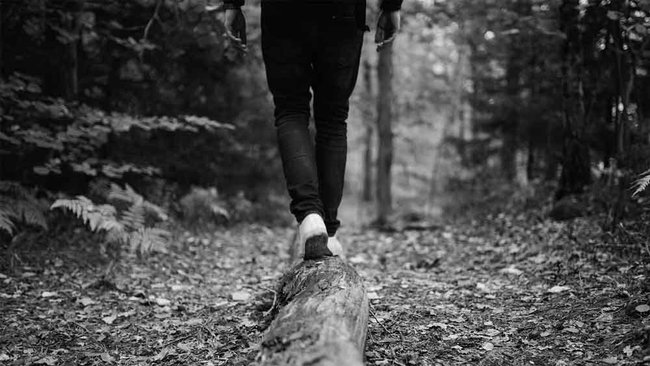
x: 502, y: 290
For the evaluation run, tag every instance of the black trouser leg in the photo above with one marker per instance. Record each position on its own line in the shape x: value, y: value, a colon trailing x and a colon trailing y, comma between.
x: 303, y: 46
x: 336, y: 66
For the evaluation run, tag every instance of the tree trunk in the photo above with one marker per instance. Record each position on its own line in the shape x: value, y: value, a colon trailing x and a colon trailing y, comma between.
x: 71, y: 56
x: 1, y: 43
x: 576, y: 161
x: 530, y: 163
x: 385, y: 134
x: 366, y: 194
x: 510, y: 128
x: 322, y: 316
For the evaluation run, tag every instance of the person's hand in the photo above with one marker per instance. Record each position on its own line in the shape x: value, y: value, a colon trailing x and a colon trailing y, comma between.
x: 388, y: 25
x: 235, y: 23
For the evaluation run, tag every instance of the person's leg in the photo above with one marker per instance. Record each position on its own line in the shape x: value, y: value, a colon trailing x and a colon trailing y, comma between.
x: 287, y: 57
x: 336, y: 66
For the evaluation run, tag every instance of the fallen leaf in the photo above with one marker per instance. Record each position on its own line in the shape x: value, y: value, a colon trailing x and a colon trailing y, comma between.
x: 512, y: 270
x: 357, y: 259
x: 126, y: 314
x: 240, y: 295
x: 373, y: 296
x: 48, y: 360
x: 558, y: 289
x: 611, y: 360
x: 629, y: 351
x: 85, y: 301
x: 572, y: 330
x: 488, y: 346
x: 642, y: 308
x: 194, y: 321
x: 162, y: 302
x: 47, y: 294
x: 109, y: 319
x: 439, y: 325
x: 162, y: 354
x: 180, y: 287
x: 492, y: 332
x: 546, y: 333
x: 184, y: 347
x: 106, y: 357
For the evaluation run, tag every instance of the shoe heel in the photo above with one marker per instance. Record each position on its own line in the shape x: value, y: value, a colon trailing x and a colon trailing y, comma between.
x: 316, y: 247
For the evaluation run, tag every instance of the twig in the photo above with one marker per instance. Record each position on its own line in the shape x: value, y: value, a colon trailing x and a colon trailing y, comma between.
x: 209, y: 331
x: 80, y: 326
x: 377, y: 320
x: 176, y: 340
x: 275, y: 298
x: 150, y: 23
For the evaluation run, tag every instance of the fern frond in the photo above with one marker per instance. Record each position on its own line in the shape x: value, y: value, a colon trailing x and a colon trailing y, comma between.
x: 15, y: 189
x: 20, y: 205
x: 28, y: 211
x: 5, y: 222
x: 133, y: 217
x: 80, y: 206
x: 102, y: 217
x: 117, y: 234
x: 642, y: 183
x: 34, y: 216
x: 127, y: 194
x: 146, y: 239
x: 158, y: 212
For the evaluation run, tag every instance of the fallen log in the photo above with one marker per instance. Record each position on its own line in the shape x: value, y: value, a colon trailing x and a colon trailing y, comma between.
x: 322, y: 318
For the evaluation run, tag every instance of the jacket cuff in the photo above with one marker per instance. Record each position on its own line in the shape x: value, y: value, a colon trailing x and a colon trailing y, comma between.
x: 232, y: 4
x: 391, y: 5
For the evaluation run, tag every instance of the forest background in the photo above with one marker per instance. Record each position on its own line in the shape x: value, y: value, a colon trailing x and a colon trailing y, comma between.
x: 142, y: 111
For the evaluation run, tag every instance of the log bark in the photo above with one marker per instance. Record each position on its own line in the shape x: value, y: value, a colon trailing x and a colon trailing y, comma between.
x: 322, y: 318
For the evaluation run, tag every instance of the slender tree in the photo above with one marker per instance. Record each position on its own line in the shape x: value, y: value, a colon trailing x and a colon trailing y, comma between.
x: 385, y: 134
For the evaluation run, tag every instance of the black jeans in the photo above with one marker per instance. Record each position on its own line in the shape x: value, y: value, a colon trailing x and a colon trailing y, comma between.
x: 312, y: 45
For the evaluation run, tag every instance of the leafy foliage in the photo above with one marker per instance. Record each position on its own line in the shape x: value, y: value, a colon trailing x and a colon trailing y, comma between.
x: 132, y: 225
x: 53, y: 137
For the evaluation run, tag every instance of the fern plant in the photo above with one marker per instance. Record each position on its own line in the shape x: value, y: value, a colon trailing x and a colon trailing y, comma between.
x: 642, y: 183
x: 19, y: 205
x: 128, y: 219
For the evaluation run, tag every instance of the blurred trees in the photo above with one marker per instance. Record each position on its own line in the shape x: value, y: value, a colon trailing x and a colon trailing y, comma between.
x: 517, y: 90
x: 129, y: 91
x: 556, y: 82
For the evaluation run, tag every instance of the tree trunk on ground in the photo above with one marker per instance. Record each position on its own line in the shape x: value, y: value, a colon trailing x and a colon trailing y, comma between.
x: 322, y: 316
x: 385, y: 134
x: 366, y: 194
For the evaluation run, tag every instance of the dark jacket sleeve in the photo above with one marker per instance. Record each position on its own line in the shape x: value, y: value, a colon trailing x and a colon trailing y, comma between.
x: 391, y: 5
x: 232, y: 4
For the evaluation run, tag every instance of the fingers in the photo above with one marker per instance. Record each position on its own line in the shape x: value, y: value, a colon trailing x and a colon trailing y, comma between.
x: 381, y: 40
x: 379, y: 35
x: 238, y: 43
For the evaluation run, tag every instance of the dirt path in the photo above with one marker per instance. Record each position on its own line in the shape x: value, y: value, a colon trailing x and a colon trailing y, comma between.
x: 508, y: 291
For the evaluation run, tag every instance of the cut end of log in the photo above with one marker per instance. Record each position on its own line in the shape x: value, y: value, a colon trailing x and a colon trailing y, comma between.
x: 323, y: 316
